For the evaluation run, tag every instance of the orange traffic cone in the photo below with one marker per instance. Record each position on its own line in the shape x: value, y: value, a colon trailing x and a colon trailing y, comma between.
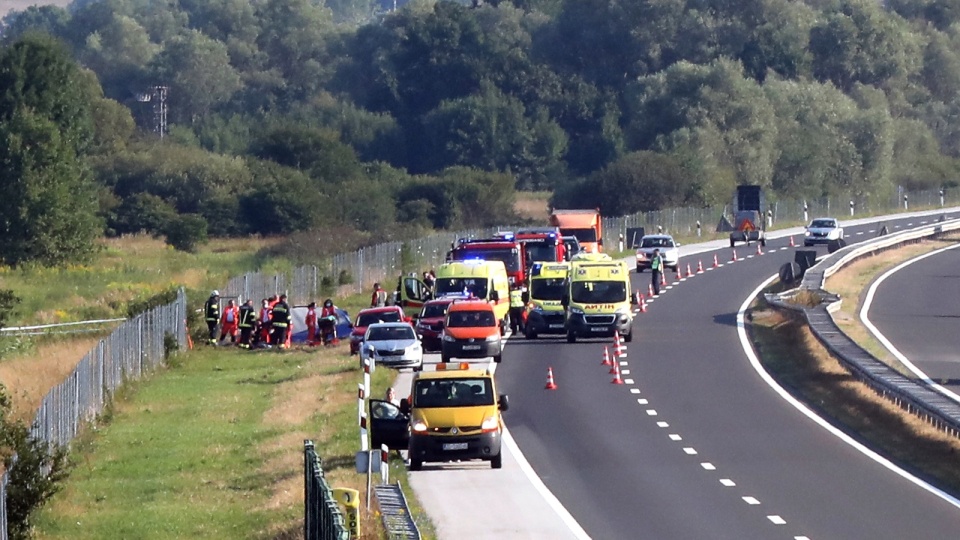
x: 679, y: 275
x: 650, y: 290
x: 550, y: 384
x: 643, y: 306
x: 619, y: 349
x: 616, y: 375
x: 700, y: 266
x: 759, y: 250
x: 791, y: 242
x: 716, y: 263
x: 606, y: 357
x: 734, y: 259
x: 663, y: 279
x: 689, y: 271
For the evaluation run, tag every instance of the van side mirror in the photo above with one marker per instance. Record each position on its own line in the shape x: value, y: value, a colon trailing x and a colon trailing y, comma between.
x: 503, y: 403
x: 405, y: 406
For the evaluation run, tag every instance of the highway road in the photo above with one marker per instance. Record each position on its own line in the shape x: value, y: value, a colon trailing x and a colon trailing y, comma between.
x: 695, y: 445
x: 915, y: 308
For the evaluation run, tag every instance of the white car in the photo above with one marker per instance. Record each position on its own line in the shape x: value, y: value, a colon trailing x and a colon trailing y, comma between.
x: 822, y: 231
x: 392, y: 344
x: 669, y: 251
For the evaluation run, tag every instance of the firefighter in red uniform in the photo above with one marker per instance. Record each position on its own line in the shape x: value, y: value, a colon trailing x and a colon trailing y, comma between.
x: 311, y: 321
x: 229, y: 322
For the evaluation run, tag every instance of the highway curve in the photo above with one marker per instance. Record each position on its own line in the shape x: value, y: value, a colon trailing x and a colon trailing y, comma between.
x: 916, y: 308
x: 697, y: 445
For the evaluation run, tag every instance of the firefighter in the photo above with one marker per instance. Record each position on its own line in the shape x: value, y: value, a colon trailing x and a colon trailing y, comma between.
x: 280, y: 322
x: 311, y: 321
x: 328, y: 323
x: 211, y: 312
x: 379, y: 297
x: 516, y: 310
x: 248, y: 320
x: 228, y: 322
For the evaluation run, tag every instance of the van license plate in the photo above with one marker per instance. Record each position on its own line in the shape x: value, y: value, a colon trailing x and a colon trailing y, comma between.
x: 471, y: 347
x: 455, y: 446
x: 598, y: 329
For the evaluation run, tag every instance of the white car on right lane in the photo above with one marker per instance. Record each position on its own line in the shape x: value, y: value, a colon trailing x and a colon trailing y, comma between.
x: 822, y: 231
x: 669, y: 251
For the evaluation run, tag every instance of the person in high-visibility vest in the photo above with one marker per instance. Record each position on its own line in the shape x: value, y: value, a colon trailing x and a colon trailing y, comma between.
x: 311, y: 321
x: 229, y: 321
x: 516, y: 310
x: 656, y: 269
x: 211, y: 313
x: 280, y: 322
x: 379, y: 297
x: 247, y: 321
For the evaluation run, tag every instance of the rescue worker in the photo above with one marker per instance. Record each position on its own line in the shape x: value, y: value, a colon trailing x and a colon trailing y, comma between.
x: 228, y: 322
x: 248, y: 320
x: 430, y: 280
x: 379, y: 297
x: 263, y: 322
x: 311, y: 321
x: 516, y: 310
x: 280, y: 322
x: 656, y: 268
x: 328, y: 323
x: 211, y: 311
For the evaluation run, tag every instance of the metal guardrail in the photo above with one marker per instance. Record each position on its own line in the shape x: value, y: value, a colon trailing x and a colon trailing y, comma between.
x: 915, y: 396
x: 322, y: 519
x: 134, y: 348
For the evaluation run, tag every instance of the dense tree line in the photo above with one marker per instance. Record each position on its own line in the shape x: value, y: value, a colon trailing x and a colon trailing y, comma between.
x: 291, y: 115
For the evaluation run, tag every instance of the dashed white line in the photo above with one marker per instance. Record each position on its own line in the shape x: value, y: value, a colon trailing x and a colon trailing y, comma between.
x: 628, y: 381
x: 859, y: 233
x: 801, y: 538
x: 690, y: 451
x: 708, y: 466
x: 752, y: 501
x: 727, y: 482
x: 624, y: 371
x: 675, y: 437
x: 777, y: 520
x: 624, y: 363
x: 634, y: 390
x: 651, y: 412
x: 642, y: 401
x: 663, y: 424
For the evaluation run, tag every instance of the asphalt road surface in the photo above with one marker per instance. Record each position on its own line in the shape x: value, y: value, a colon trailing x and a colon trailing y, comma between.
x: 916, y: 308
x: 695, y: 445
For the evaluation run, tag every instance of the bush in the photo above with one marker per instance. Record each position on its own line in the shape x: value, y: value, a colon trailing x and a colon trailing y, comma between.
x: 185, y: 232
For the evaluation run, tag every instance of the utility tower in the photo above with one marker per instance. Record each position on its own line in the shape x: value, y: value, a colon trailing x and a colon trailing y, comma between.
x: 158, y: 96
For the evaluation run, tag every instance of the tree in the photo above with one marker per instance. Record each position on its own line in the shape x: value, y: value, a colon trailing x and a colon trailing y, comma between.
x: 47, y: 200
x: 197, y: 69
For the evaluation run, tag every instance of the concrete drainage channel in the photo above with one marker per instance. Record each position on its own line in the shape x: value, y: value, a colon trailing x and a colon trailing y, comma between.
x: 914, y: 396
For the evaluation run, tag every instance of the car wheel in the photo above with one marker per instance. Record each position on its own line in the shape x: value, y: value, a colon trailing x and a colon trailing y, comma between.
x: 503, y: 325
x: 763, y: 241
x: 628, y: 337
x: 571, y: 337
x: 444, y: 358
x: 530, y: 335
x: 733, y: 243
x: 498, y: 358
x: 497, y: 461
x: 416, y: 464
x: 639, y: 269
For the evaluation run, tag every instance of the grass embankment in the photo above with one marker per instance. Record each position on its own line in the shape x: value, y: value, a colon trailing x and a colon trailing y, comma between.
x: 791, y: 353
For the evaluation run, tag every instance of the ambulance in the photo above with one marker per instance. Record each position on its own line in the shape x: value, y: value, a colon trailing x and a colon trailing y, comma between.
x: 475, y: 278
x: 545, y: 314
x: 598, y: 301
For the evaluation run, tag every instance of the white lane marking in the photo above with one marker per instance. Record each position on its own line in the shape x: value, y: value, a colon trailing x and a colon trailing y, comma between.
x: 909, y: 224
x: 663, y: 424
x: 708, y: 466
x: 755, y: 363
x: 864, y: 312
x: 538, y: 484
x: 690, y: 451
x: 642, y: 401
x: 675, y: 437
x: 727, y: 482
x: 872, y: 231
x: 624, y: 363
x: 861, y: 232
x: 624, y: 371
x: 801, y: 538
x: 636, y: 311
x: 752, y: 501
x: 628, y: 381
x: 651, y: 412
x: 923, y: 222
x: 777, y: 520
x: 634, y: 390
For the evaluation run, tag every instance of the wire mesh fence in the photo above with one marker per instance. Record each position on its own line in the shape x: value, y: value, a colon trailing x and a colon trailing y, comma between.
x: 322, y: 519
x: 134, y: 348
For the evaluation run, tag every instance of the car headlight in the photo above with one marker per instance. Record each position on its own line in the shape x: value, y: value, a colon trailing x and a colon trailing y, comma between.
x: 449, y: 338
x: 576, y: 310
x: 419, y: 426
x: 490, y: 423
x: 414, y: 348
x: 806, y: 233
x: 494, y: 337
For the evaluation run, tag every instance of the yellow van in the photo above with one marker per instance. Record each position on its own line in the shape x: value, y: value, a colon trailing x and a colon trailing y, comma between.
x: 454, y: 415
x: 545, y: 314
x: 486, y: 280
x: 598, y: 301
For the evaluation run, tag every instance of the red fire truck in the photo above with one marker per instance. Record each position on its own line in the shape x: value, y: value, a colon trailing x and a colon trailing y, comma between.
x: 542, y: 244
x: 510, y: 252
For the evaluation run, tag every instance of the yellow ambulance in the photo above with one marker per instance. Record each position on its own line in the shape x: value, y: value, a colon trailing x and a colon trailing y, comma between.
x: 544, y: 311
x: 484, y: 280
x: 598, y: 301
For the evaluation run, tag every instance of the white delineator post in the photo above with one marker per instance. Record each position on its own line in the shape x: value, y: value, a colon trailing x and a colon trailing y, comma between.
x: 362, y: 416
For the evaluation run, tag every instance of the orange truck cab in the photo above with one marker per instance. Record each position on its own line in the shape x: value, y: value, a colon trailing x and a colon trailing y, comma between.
x: 586, y: 225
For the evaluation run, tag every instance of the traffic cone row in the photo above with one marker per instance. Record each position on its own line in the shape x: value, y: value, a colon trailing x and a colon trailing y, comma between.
x: 551, y: 385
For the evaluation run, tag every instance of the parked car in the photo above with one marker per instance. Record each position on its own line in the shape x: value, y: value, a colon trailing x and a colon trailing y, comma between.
x: 369, y: 316
x: 669, y: 251
x: 392, y: 344
x: 430, y: 323
x: 822, y: 231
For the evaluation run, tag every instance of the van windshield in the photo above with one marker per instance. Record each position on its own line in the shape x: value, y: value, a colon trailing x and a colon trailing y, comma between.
x: 541, y: 251
x: 466, y: 392
x: 475, y: 286
x: 461, y: 319
x: 598, y: 292
x: 547, y: 289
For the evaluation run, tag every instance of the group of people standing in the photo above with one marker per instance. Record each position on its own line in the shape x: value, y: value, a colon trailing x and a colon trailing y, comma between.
x: 244, y: 326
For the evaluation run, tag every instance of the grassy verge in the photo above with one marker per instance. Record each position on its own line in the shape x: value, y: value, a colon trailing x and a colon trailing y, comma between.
x: 213, y: 448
